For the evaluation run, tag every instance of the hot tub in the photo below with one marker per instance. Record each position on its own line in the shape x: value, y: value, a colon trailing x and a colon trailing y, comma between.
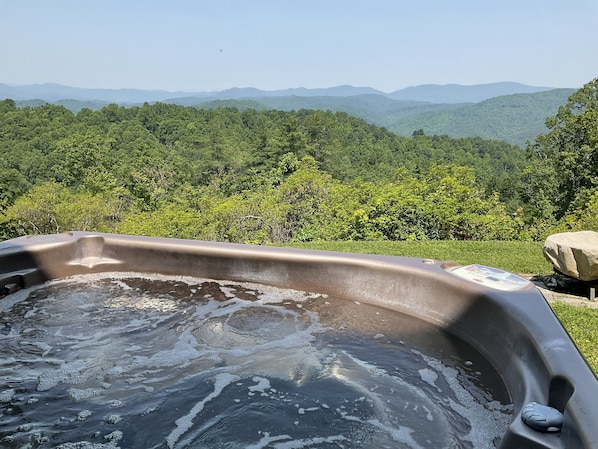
x: 481, y: 342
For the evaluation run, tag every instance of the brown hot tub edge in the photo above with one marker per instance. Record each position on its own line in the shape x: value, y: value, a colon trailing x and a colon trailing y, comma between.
x: 515, y: 330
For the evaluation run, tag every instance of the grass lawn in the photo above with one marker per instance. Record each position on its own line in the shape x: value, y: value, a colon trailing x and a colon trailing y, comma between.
x: 516, y: 257
x: 581, y: 323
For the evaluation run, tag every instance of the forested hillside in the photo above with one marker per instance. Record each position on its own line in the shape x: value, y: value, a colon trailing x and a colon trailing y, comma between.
x: 257, y: 176
x: 513, y: 118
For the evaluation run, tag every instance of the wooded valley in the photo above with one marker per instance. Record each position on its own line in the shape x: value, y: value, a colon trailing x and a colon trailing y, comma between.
x: 271, y: 176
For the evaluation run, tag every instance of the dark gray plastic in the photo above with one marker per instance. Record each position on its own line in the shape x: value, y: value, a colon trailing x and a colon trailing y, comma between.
x: 542, y: 418
x: 513, y: 328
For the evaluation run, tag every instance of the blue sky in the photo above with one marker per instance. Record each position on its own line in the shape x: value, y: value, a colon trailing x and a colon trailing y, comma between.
x: 211, y: 45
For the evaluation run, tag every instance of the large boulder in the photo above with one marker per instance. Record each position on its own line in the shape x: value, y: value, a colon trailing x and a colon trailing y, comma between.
x: 574, y: 254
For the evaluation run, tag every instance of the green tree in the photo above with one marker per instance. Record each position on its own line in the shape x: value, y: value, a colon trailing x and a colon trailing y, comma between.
x: 51, y: 208
x: 581, y: 218
x: 172, y: 220
x: 12, y: 185
x: 35, y: 212
x: 303, y: 192
x: 563, y: 163
x: 78, y: 156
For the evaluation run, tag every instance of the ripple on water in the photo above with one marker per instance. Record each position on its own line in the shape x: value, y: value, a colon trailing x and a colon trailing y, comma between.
x: 129, y: 360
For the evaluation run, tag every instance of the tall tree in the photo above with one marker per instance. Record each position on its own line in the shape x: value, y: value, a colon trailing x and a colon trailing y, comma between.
x: 564, y: 161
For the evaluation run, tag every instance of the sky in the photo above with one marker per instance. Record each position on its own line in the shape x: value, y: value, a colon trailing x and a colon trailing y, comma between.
x: 213, y: 45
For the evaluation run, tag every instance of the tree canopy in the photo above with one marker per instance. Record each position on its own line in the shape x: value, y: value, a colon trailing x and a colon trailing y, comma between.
x: 275, y: 176
x: 563, y: 163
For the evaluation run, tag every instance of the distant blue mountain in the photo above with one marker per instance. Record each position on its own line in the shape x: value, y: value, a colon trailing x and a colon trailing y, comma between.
x: 456, y: 93
x: 56, y: 92
x: 338, y: 91
x: 511, y: 112
x: 450, y: 93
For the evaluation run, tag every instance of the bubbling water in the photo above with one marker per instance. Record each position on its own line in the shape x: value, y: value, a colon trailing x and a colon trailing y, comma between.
x: 123, y: 360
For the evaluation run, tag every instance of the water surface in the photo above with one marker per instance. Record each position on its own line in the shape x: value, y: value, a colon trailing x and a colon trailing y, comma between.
x: 129, y: 361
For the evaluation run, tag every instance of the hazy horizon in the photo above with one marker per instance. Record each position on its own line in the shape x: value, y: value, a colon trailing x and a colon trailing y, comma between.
x: 185, y: 45
x: 286, y: 88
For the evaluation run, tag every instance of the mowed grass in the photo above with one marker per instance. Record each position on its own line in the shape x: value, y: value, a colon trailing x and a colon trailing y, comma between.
x: 581, y: 323
x: 517, y: 257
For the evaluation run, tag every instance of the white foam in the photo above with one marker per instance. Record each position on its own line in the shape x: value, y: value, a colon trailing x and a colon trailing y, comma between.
x: 488, y: 421
x: 401, y: 434
x: 228, y: 291
x: 180, y: 355
x: 11, y: 300
x: 78, y: 395
x: 429, y: 376
x: 7, y: 395
x: 274, y: 441
x: 31, y: 313
x: 83, y: 415
x: 267, y: 440
x: 70, y: 373
x: 113, y: 419
x: 309, y: 442
x: 122, y: 285
x: 366, y: 378
x: 45, y: 347
x: 429, y: 415
x: 113, y: 437
x: 262, y: 384
x: 87, y: 445
x: 184, y: 423
x: 265, y: 294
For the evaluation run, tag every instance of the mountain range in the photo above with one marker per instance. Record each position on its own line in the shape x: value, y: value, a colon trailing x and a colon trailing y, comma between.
x: 433, y: 93
x: 507, y: 111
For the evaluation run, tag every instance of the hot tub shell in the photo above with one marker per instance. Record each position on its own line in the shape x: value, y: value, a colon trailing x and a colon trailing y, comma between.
x: 514, y: 329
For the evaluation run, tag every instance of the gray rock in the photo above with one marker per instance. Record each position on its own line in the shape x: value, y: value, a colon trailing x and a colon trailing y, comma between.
x: 574, y: 254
